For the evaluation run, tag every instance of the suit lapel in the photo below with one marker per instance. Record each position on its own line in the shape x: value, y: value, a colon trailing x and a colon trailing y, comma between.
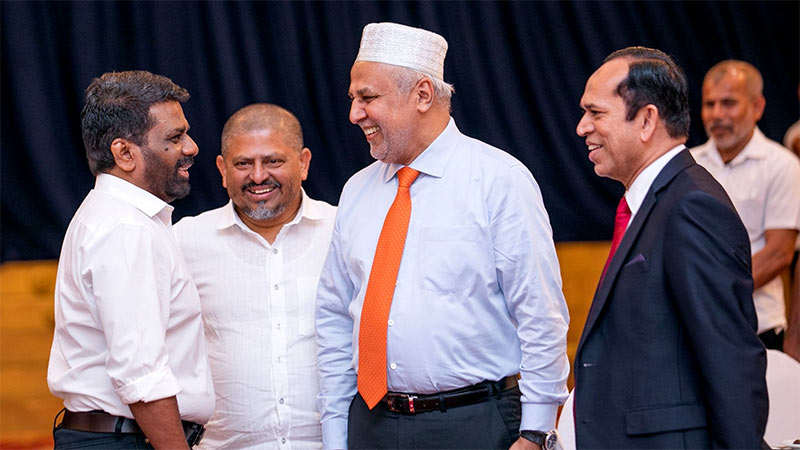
x: 680, y: 162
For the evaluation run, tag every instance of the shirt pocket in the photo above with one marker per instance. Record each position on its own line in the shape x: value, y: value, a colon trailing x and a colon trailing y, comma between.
x: 447, y: 258
x: 306, y: 301
x: 751, y: 209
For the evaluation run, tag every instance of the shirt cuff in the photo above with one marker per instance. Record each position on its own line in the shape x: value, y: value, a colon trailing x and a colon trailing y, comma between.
x: 153, y: 386
x: 538, y: 416
x: 334, y: 434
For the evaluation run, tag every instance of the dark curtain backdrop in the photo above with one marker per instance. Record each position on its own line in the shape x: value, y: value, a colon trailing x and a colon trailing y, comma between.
x: 519, y: 70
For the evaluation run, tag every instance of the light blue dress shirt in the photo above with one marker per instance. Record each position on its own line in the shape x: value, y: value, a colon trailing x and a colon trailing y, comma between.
x: 478, y: 293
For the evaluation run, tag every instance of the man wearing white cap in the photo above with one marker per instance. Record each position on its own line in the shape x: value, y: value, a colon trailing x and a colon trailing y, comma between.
x: 440, y: 318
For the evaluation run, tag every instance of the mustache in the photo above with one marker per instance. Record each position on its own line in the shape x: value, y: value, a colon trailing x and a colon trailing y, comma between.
x: 266, y: 183
x: 184, y: 160
x: 715, y: 125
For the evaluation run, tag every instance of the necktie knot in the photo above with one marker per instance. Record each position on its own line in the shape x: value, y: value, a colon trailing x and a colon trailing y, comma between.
x: 406, y: 176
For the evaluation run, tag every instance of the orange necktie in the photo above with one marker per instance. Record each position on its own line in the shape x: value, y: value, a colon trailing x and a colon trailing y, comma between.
x: 380, y: 290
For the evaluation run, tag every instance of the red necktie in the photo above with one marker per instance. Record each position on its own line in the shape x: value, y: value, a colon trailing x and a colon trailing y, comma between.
x: 620, y: 224
x: 380, y: 290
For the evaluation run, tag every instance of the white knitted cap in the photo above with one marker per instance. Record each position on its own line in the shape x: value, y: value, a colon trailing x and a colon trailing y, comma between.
x: 404, y: 46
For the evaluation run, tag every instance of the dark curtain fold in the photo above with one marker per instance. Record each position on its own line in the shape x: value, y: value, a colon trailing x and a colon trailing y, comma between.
x: 518, y: 67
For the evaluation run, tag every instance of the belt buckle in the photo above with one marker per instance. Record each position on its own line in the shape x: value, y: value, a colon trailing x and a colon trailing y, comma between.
x: 395, y: 406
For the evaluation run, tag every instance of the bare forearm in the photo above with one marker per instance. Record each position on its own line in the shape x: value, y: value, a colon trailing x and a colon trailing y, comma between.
x: 791, y: 343
x: 161, y: 423
x: 775, y: 257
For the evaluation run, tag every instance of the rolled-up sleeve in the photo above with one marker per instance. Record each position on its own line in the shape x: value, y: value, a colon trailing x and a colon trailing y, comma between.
x: 133, y: 306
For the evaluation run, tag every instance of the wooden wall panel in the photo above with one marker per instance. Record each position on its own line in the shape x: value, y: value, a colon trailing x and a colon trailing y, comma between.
x: 26, y: 331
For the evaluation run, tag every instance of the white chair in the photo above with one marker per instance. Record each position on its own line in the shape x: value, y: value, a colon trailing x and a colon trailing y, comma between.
x: 566, y: 424
x: 783, y: 385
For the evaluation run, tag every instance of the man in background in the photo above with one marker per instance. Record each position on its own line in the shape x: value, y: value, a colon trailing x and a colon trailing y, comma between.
x: 761, y: 177
x: 669, y: 357
x: 442, y: 282
x: 256, y: 262
x: 128, y: 356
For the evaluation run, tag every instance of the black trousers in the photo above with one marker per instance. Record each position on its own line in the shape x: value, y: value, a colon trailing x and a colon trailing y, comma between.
x: 772, y: 340
x: 71, y: 439
x: 492, y: 424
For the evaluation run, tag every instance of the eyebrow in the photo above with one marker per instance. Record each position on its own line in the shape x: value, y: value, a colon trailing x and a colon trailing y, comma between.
x: 179, y: 130
x: 364, y: 90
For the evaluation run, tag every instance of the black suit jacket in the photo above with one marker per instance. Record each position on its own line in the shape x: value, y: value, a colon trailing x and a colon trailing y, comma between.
x: 669, y: 356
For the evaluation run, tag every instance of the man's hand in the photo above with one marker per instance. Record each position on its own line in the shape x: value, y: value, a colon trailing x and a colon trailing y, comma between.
x: 161, y: 423
x: 524, y: 444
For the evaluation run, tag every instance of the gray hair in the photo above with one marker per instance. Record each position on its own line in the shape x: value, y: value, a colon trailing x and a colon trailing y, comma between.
x: 407, y: 78
x: 753, y: 80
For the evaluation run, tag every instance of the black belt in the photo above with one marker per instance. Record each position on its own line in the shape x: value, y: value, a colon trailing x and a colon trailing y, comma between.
x: 102, y: 422
x: 417, y: 403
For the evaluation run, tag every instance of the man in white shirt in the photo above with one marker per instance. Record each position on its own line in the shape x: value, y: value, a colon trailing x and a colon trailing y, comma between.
x: 762, y: 179
x: 128, y: 356
x: 475, y: 297
x: 256, y: 262
x: 669, y: 357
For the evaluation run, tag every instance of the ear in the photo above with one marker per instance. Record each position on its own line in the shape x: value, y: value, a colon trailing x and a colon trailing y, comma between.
x: 424, y: 94
x: 305, y: 163
x: 125, y: 154
x: 759, y: 104
x: 648, y: 117
x: 221, y: 168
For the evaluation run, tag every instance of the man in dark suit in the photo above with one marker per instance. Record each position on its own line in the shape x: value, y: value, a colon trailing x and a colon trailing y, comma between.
x: 669, y: 356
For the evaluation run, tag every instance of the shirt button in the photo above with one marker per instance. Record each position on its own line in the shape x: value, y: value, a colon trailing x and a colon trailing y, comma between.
x: 391, y: 322
x: 283, y: 440
x: 280, y: 401
x: 393, y: 366
x: 275, y: 287
x: 274, y: 251
x: 278, y: 325
x: 278, y: 358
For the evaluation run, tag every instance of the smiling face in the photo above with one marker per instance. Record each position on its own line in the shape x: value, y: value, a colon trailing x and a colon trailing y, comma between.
x: 384, y: 113
x: 610, y: 138
x: 730, y: 112
x: 168, y: 152
x: 263, y: 173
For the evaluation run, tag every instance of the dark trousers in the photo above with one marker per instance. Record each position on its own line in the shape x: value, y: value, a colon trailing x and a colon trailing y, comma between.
x: 772, y: 340
x: 72, y: 439
x: 492, y: 424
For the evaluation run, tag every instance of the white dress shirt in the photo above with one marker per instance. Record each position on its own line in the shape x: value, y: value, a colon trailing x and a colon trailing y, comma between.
x: 127, y: 314
x: 478, y: 293
x: 635, y: 195
x: 763, y: 182
x: 258, y: 312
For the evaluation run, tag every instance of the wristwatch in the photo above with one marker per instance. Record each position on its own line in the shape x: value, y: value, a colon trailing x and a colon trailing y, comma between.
x: 545, y: 439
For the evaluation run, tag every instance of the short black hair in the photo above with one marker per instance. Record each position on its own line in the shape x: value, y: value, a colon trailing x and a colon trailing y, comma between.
x: 654, y: 78
x: 118, y: 106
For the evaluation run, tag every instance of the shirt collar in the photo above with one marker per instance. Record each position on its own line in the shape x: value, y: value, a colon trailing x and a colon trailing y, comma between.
x: 755, y: 149
x: 308, y: 210
x: 433, y: 160
x: 128, y: 192
x: 638, y: 190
